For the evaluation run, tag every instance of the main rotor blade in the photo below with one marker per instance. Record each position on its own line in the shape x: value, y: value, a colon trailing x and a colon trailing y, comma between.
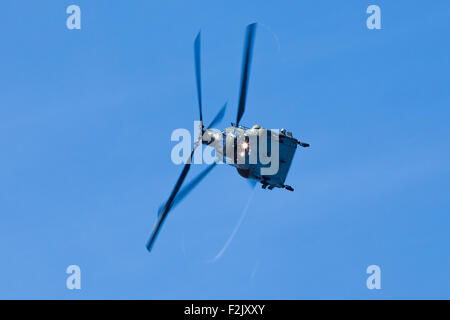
x: 250, y: 35
x: 218, y: 117
x: 198, y: 75
x: 189, y: 187
x: 169, y: 202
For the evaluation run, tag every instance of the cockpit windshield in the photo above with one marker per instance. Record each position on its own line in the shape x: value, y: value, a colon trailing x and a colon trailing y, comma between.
x: 233, y: 131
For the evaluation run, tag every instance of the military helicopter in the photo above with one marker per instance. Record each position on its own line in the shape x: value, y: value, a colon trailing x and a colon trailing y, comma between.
x: 237, y: 145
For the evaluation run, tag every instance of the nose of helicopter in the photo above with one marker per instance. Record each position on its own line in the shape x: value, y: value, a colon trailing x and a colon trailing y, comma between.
x: 210, y: 137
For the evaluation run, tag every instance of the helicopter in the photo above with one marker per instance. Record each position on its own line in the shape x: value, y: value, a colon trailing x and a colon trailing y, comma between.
x: 237, y: 145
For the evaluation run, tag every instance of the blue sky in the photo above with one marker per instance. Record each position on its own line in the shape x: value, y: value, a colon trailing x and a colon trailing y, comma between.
x: 85, y: 123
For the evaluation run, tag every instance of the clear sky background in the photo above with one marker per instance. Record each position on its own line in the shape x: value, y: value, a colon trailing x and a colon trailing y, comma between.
x: 85, y: 123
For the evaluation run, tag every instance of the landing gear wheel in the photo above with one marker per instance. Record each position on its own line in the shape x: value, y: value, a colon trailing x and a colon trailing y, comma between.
x: 289, y: 188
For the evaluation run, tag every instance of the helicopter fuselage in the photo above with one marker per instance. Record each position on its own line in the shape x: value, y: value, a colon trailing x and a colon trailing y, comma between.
x: 258, y: 154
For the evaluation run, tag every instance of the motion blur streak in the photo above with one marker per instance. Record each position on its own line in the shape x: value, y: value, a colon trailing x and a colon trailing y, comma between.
x: 236, y: 228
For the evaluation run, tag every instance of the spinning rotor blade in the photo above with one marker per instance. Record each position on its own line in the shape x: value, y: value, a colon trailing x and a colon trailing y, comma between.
x: 218, y: 117
x: 189, y: 187
x: 173, y: 198
x: 169, y: 202
x: 176, y: 197
x: 250, y: 35
x: 198, y: 75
